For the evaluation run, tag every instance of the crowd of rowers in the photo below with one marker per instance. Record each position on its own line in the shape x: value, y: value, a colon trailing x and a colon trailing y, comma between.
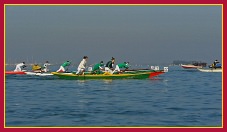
x: 96, y: 69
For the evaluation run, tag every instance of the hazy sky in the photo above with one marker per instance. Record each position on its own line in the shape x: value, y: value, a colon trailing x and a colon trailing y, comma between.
x: 138, y: 34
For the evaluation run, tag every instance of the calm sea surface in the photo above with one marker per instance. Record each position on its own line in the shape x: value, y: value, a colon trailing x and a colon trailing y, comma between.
x: 177, y: 98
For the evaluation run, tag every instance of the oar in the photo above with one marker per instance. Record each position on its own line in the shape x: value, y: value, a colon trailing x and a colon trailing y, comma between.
x: 67, y: 69
x: 84, y: 73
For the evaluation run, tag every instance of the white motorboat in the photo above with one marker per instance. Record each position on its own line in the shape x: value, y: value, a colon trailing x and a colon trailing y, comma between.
x: 210, y: 70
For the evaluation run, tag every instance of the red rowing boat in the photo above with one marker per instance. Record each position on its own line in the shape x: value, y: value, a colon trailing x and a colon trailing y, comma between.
x: 15, y: 72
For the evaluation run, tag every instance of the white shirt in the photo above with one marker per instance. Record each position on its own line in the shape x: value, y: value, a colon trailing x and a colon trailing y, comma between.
x: 20, y: 64
x: 45, y: 65
x: 82, y: 64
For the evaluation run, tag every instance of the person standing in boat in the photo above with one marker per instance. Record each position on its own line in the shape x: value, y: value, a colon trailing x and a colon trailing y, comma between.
x: 82, y: 66
x: 45, y: 65
x: 97, y: 67
x: 62, y: 67
x: 109, y: 66
x: 121, y: 65
x: 19, y: 66
x: 215, y: 63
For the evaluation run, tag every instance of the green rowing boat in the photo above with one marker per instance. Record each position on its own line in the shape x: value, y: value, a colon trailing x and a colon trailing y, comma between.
x: 130, y: 75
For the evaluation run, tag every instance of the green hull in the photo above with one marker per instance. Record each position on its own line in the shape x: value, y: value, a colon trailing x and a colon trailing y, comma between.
x: 142, y: 75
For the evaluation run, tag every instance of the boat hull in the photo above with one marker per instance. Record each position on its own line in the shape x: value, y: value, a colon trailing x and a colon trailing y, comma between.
x: 15, y: 72
x: 153, y: 74
x: 210, y: 70
x: 72, y: 76
x: 38, y: 73
x: 190, y: 66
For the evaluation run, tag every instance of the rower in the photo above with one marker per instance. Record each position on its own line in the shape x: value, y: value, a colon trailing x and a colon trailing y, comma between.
x: 97, y: 67
x: 82, y: 66
x: 62, y: 67
x: 36, y: 68
x: 109, y: 66
x: 121, y: 65
x: 19, y: 66
x: 45, y: 69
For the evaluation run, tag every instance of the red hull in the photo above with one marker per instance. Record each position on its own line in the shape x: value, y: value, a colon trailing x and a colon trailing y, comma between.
x: 152, y: 74
x: 13, y: 72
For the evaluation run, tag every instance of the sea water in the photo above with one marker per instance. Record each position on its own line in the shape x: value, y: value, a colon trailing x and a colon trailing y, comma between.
x: 177, y: 98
